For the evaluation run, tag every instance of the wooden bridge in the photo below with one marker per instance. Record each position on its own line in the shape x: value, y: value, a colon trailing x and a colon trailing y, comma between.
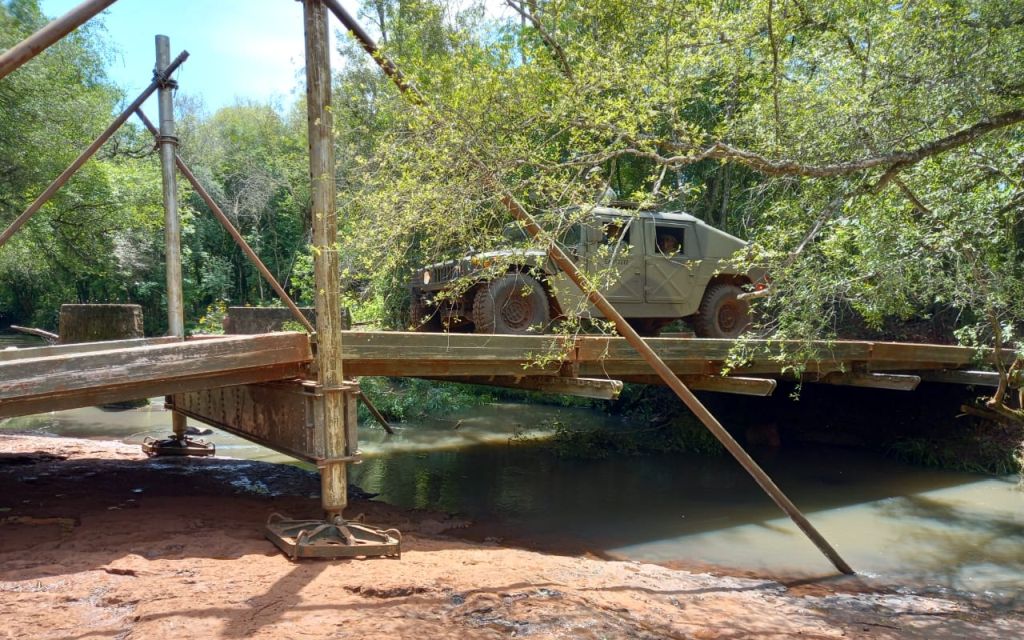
x: 288, y: 391
x: 49, y: 378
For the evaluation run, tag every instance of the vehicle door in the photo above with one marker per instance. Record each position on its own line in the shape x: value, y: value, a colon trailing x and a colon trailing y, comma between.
x: 618, y: 257
x: 672, y: 261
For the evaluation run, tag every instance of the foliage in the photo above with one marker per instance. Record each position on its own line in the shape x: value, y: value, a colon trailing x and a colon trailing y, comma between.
x: 682, y: 435
x: 90, y: 243
x: 410, y: 398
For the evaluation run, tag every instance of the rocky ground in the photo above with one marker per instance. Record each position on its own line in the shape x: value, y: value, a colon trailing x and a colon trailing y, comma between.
x: 98, y: 542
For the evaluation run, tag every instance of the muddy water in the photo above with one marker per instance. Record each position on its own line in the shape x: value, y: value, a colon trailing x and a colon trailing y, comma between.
x: 901, y: 524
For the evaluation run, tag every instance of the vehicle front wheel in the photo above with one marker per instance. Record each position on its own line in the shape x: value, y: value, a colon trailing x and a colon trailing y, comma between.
x: 513, y: 303
x: 423, y: 319
x: 721, y: 313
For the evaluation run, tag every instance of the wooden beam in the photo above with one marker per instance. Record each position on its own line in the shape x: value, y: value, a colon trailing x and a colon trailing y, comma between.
x: 722, y: 384
x: 81, y: 379
x: 149, y: 389
x: 597, y: 388
x: 82, y: 347
x: 966, y: 377
x: 892, y: 381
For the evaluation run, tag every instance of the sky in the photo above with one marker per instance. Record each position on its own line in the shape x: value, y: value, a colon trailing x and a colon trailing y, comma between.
x: 239, y: 49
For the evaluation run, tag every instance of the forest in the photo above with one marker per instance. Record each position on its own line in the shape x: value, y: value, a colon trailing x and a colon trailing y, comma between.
x: 872, y: 153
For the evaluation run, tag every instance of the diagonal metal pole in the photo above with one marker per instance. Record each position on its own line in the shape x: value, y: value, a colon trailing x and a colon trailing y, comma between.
x: 598, y: 300
x: 225, y: 222
x: 45, y: 196
x: 39, y: 41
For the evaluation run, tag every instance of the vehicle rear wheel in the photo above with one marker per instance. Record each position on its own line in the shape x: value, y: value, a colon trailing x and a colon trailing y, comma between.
x: 513, y: 303
x: 721, y: 313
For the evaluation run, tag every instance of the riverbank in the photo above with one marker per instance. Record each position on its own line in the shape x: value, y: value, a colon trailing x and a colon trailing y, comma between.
x: 97, y: 541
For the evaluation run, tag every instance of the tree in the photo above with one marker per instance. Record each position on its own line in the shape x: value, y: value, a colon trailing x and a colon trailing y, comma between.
x: 871, y: 152
x: 79, y: 245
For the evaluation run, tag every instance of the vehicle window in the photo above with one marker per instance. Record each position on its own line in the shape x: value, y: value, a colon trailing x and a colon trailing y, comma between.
x: 571, y: 236
x: 670, y: 240
x: 615, y: 232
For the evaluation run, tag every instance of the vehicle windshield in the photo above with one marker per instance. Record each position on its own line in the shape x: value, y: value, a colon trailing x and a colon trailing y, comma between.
x: 568, y: 237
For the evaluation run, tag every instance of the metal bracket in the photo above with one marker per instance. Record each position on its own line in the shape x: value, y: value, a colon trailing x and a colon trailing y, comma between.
x: 335, y: 538
x: 174, y: 446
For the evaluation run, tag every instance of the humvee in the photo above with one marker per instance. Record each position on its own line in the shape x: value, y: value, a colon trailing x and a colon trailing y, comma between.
x: 668, y: 266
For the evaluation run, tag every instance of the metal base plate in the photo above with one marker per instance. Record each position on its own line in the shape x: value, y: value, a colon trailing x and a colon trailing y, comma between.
x: 174, y: 446
x: 332, y: 539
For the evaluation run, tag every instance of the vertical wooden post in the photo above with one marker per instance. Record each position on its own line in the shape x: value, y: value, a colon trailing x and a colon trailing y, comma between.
x: 334, y: 393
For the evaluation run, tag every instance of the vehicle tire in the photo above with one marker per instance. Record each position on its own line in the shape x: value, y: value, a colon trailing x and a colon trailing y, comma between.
x: 721, y: 314
x: 513, y: 303
x: 423, y: 318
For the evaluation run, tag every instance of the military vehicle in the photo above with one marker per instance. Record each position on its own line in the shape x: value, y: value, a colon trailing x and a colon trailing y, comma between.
x: 666, y: 266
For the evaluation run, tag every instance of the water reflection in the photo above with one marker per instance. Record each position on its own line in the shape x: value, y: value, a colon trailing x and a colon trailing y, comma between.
x: 902, y: 523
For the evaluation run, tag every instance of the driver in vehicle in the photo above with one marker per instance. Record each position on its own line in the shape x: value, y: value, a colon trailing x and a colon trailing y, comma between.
x: 668, y: 244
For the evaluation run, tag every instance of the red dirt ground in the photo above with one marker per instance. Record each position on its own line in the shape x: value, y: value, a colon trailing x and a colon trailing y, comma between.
x: 98, y: 542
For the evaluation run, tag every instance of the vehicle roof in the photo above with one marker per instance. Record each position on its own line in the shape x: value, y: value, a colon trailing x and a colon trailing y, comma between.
x: 673, y: 216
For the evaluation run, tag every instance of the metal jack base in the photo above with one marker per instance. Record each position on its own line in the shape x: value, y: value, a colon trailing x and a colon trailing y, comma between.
x: 175, y: 446
x: 334, y: 538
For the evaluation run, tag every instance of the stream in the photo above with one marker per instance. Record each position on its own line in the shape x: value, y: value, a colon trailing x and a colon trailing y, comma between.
x: 901, y: 524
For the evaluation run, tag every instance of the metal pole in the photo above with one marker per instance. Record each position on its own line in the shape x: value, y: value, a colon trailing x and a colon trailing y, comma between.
x: 36, y: 43
x: 168, y: 143
x: 45, y: 196
x: 632, y: 337
x: 232, y: 231
x: 333, y: 480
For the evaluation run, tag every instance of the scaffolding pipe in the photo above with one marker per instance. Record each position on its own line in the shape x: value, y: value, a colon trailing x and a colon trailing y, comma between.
x: 625, y: 330
x: 73, y: 168
x: 225, y: 222
x: 39, y: 41
x: 168, y: 143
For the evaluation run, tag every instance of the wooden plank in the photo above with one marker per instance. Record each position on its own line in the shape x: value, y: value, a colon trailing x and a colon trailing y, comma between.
x: 82, y: 347
x: 418, y: 368
x: 892, y: 381
x: 729, y: 384
x: 966, y: 377
x: 395, y: 345
x: 914, y: 352
x: 147, y: 367
x: 148, y: 389
x: 597, y: 388
x: 595, y: 348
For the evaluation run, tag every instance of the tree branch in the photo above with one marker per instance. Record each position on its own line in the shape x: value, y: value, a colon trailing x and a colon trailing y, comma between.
x: 762, y: 164
x: 549, y: 40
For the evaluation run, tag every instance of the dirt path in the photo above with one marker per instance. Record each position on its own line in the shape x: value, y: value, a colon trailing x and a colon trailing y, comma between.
x: 98, y: 542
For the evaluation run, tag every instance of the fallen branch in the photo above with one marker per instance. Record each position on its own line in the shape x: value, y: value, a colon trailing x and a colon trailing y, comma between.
x: 50, y: 337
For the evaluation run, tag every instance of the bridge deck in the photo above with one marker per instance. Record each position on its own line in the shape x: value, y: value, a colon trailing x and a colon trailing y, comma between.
x: 62, y: 377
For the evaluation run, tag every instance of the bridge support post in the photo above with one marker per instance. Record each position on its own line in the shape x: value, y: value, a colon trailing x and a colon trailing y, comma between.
x: 335, y: 399
x: 179, y: 444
